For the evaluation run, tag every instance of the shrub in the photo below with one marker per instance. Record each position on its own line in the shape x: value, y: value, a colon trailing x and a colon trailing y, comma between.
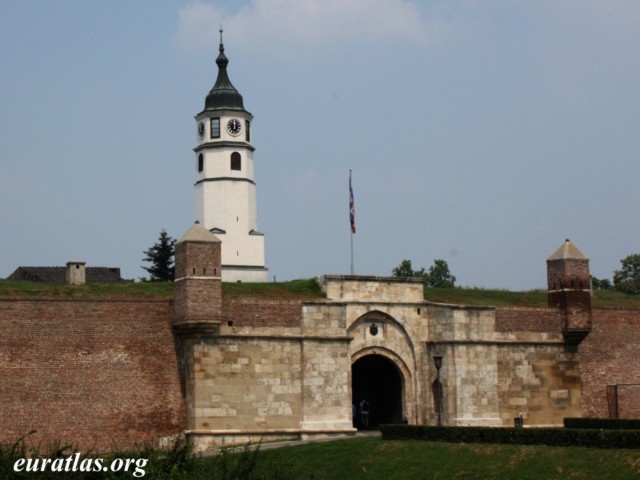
x: 516, y: 436
x: 602, y: 423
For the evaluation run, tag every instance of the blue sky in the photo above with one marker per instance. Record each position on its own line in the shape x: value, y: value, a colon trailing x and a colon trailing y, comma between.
x: 482, y: 133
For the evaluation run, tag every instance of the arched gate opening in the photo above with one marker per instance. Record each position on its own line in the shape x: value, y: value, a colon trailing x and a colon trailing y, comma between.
x: 377, y: 380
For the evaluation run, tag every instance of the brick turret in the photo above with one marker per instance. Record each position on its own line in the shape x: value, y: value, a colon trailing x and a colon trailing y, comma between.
x: 569, y: 289
x: 198, y: 289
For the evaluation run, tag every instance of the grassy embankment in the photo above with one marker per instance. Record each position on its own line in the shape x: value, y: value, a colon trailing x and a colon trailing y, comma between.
x: 374, y: 458
x: 364, y: 457
x: 306, y: 289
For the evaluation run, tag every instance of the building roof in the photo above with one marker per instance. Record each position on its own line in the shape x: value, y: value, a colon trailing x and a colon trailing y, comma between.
x: 58, y: 274
x: 197, y: 233
x: 567, y: 251
x: 223, y: 95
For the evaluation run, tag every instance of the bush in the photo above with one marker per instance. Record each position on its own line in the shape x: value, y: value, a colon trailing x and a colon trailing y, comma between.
x: 602, y: 423
x: 516, y: 436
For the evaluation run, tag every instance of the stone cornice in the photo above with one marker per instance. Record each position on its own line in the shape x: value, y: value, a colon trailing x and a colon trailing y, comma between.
x: 224, y: 144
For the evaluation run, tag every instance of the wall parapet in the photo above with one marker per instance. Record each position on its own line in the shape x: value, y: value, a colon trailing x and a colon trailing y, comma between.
x: 371, y: 288
x: 528, y: 319
x: 262, y: 313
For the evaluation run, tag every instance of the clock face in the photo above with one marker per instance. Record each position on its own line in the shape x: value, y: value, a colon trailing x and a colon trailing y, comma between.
x: 201, y: 129
x: 234, y: 127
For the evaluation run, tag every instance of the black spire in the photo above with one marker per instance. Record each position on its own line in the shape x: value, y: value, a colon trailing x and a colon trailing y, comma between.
x: 223, y: 95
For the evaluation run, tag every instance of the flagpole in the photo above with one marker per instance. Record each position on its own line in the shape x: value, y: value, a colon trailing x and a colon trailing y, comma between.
x: 352, y: 226
x: 352, y: 267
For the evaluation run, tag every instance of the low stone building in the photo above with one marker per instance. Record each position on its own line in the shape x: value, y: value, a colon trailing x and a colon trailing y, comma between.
x: 75, y: 272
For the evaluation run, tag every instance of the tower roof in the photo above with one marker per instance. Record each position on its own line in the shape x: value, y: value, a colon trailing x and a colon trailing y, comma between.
x: 567, y: 251
x: 197, y: 233
x: 223, y: 95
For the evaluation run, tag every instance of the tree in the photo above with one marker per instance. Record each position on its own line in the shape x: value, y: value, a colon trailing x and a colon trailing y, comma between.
x: 406, y: 270
x: 627, y: 279
x: 439, y: 275
x: 161, y: 256
x: 600, y: 283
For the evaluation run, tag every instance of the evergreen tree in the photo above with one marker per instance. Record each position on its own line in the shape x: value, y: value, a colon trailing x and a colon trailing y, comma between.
x: 161, y: 256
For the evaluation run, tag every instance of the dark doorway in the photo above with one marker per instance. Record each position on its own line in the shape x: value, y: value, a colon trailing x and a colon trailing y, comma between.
x: 377, y: 380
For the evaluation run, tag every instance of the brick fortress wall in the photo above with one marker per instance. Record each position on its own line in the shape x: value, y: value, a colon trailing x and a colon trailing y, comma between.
x: 261, y: 313
x: 609, y: 356
x: 91, y: 372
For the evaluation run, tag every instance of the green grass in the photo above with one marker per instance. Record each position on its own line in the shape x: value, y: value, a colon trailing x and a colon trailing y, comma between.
x: 158, y: 290
x: 532, y: 298
x: 374, y: 458
x: 350, y: 459
x: 306, y: 289
x: 293, y: 290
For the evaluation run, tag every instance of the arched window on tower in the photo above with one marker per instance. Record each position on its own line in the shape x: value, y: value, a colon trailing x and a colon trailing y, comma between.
x: 236, y: 161
x: 200, y: 162
x: 247, y: 131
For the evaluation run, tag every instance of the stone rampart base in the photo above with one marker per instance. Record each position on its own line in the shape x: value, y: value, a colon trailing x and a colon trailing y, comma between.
x: 208, y: 440
x: 478, y: 422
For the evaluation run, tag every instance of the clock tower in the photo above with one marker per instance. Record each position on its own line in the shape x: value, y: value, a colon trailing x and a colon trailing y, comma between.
x: 225, y: 191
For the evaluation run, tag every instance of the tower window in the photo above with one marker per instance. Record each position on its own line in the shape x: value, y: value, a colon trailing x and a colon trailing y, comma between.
x: 215, y: 127
x: 236, y: 161
x: 200, y: 162
x: 247, y: 130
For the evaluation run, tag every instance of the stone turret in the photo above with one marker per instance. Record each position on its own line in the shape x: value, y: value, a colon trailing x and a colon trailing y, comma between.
x: 198, y: 289
x: 76, y: 272
x: 569, y: 289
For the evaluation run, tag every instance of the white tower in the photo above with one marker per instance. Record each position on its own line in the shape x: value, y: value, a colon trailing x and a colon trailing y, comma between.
x: 225, y: 193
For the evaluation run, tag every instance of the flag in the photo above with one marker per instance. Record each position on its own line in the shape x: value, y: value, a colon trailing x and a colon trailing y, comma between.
x: 352, y: 207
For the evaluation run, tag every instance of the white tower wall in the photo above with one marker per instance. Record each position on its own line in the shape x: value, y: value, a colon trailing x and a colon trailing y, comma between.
x: 225, y: 191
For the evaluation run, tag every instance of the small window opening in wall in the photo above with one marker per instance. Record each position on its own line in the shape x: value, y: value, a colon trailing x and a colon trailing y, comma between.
x: 215, y: 127
x: 236, y: 161
x: 248, y: 130
x: 418, y: 310
x: 230, y: 323
x: 204, y: 271
x: 237, y: 253
x: 200, y: 162
x: 214, y: 272
x: 194, y: 271
x: 77, y: 266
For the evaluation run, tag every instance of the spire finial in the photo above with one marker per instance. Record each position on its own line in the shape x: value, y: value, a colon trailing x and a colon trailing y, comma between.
x: 221, y: 44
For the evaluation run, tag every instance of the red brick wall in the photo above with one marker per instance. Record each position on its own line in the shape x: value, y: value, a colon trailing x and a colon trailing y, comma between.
x: 517, y: 319
x: 95, y: 373
x: 628, y: 401
x: 262, y: 313
x: 199, y: 298
x: 568, y: 273
x: 609, y: 356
